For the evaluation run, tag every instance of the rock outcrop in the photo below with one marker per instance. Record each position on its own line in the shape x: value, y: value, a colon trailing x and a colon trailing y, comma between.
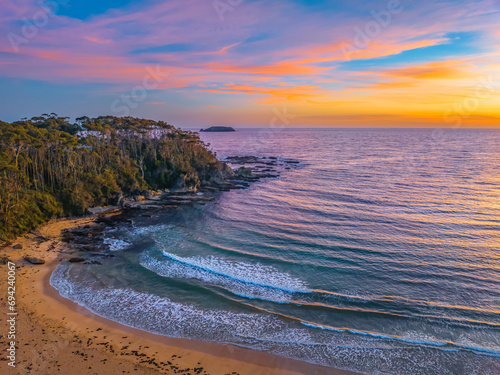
x: 34, y: 260
x: 76, y: 260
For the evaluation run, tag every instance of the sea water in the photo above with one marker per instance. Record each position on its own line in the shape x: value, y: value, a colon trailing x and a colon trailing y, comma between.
x: 378, y: 253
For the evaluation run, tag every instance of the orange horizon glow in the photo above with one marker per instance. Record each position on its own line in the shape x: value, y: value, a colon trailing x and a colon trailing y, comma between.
x: 413, y: 68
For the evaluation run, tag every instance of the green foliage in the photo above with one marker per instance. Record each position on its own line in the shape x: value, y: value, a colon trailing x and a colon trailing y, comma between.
x: 51, y: 168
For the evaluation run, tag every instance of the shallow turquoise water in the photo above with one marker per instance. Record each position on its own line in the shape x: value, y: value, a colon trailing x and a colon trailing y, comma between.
x: 379, y: 253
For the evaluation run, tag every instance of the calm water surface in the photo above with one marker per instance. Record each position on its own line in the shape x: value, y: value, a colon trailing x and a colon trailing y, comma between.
x: 379, y: 253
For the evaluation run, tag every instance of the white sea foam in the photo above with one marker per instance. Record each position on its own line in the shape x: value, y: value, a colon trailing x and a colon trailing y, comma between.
x: 116, y: 244
x: 250, y: 280
x: 150, y: 229
x: 417, y: 338
x: 312, y: 325
x: 161, y: 315
x: 254, y: 330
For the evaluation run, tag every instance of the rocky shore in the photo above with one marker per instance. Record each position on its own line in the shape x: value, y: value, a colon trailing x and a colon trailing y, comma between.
x: 88, y: 244
x: 58, y: 336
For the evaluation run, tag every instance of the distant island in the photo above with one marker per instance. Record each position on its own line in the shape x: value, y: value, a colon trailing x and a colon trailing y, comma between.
x: 218, y: 129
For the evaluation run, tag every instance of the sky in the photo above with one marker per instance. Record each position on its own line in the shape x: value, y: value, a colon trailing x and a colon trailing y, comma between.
x: 253, y: 63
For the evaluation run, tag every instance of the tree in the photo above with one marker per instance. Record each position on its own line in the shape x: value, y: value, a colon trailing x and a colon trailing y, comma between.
x: 50, y: 167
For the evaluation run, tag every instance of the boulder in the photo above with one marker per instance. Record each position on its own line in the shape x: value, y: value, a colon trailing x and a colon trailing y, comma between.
x: 17, y: 246
x: 76, y: 260
x: 243, y: 172
x: 34, y: 260
x: 94, y: 262
x: 67, y: 236
x: 90, y: 248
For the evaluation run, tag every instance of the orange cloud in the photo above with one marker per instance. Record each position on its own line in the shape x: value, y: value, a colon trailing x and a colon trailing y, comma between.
x: 391, y: 85
x: 433, y: 70
x: 296, y: 93
x: 278, y: 69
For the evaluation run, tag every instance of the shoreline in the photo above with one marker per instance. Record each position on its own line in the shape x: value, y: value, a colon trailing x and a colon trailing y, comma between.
x: 85, y: 343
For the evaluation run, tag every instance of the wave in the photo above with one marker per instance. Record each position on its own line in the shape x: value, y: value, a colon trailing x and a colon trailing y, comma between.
x: 158, y: 314
x: 249, y: 280
x: 412, y: 338
x: 116, y: 244
x: 143, y: 231
x: 249, y: 273
x: 260, y: 331
x: 216, y: 271
x: 400, y: 307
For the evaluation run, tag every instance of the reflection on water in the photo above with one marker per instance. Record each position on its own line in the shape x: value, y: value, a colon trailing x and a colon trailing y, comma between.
x: 380, y: 253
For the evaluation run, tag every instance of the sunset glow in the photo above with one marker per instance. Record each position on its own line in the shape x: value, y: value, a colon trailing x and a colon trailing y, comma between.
x: 330, y: 64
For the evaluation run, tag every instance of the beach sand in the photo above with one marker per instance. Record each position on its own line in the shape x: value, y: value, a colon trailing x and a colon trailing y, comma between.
x: 57, y: 336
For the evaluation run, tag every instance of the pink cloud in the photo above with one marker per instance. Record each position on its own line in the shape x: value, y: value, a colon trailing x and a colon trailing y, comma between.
x: 256, y: 48
x: 97, y: 40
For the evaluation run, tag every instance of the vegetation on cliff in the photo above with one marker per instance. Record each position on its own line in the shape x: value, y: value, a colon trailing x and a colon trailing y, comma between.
x: 50, y: 167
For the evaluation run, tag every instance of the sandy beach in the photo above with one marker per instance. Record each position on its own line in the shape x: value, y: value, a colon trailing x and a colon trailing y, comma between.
x: 55, y: 335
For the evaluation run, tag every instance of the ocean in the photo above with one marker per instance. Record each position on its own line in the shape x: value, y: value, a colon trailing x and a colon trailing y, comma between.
x: 378, y: 253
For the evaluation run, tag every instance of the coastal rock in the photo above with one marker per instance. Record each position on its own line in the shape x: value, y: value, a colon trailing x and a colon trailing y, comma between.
x: 67, y: 236
x: 76, y: 260
x: 103, y: 256
x: 90, y: 248
x: 149, y: 207
x: 217, y: 175
x: 243, y: 159
x: 94, y: 262
x: 186, y: 183
x: 83, y: 241
x: 243, y: 172
x: 151, y: 194
x: 88, y: 231
x: 34, y: 260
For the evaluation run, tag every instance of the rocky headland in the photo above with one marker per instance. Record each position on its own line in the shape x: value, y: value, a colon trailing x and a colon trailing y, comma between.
x: 88, y: 243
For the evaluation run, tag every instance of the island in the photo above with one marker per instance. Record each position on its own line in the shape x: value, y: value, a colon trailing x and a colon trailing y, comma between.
x: 218, y: 129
